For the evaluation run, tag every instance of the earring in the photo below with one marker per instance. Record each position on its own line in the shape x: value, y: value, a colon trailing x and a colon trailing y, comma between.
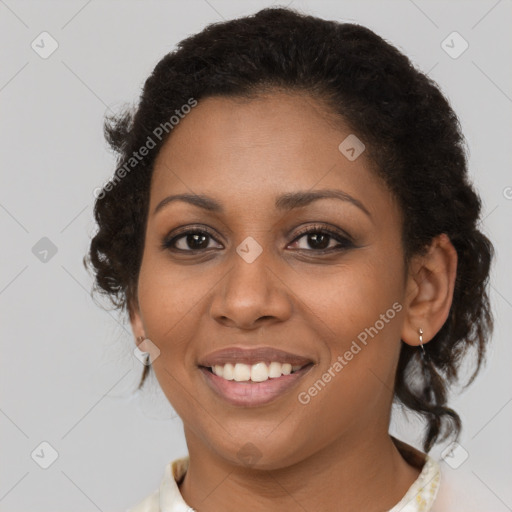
x: 423, y: 354
x: 427, y: 393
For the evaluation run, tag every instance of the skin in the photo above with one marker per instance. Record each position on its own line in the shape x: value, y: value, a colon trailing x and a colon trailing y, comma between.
x: 336, y: 449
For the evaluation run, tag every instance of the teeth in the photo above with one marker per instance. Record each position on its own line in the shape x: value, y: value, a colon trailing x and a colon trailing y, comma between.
x: 258, y: 372
x: 242, y: 372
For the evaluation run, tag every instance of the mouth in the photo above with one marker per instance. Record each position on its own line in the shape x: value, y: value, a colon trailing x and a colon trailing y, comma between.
x: 253, y: 385
x: 259, y: 372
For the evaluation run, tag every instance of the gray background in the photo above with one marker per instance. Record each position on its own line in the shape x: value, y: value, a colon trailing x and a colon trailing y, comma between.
x: 67, y: 367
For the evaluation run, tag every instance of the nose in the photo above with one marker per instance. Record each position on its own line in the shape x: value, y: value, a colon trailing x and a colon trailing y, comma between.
x: 251, y: 294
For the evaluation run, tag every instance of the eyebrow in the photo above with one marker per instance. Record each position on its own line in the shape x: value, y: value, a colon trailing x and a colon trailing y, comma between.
x: 285, y: 202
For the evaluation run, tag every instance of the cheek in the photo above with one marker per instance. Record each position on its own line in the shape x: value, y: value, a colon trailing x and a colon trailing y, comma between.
x: 356, y: 296
x: 167, y: 308
x: 361, y: 316
x: 167, y: 302
x: 168, y: 292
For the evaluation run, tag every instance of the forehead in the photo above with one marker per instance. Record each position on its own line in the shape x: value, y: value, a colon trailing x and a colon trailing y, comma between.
x: 259, y: 147
x: 235, y: 126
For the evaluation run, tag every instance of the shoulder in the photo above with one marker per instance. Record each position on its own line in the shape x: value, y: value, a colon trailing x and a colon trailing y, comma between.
x: 458, y: 493
x: 167, y: 497
x: 454, y: 490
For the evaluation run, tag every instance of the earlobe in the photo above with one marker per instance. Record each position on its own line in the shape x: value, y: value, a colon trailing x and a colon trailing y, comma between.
x: 429, y: 291
x: 136, y: 321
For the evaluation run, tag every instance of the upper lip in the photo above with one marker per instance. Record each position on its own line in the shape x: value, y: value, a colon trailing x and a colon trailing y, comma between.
x: 252, y: 356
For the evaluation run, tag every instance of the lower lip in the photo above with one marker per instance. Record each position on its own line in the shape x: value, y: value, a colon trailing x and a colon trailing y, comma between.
x: 252, y: 394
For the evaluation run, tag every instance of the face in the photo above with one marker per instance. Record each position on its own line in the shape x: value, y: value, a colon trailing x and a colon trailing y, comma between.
x: 245, y: 274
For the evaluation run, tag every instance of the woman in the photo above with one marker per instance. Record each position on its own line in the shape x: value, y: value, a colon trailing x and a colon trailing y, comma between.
x: 292, y: 232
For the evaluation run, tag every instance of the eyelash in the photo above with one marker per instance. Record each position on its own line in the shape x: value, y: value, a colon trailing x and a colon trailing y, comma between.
x: 343, y: 240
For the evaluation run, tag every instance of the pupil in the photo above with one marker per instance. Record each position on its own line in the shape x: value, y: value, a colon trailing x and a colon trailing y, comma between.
x: 193, y: 239
x: 324, y: 240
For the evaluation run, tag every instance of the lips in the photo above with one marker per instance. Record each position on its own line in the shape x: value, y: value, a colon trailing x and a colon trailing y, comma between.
x: 253, y: 394
x: 252, y: 356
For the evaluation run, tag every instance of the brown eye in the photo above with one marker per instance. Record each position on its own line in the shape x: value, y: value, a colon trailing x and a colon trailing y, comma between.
x: 319, y: 240
x: 193, y: 241
x: 189, y: 241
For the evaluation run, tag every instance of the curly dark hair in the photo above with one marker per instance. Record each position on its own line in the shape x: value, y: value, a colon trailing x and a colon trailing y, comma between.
x: 413, y: 140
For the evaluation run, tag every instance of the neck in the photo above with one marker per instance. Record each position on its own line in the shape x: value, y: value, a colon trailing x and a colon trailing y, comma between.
x: 368, y: 475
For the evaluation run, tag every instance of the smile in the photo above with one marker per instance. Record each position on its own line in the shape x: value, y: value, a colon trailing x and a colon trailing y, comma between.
x: 258, y: 372
x: 253, y: 385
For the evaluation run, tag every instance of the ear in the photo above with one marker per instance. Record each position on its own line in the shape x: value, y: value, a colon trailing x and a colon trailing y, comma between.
x: 429, y: 290
x: 136, y: 319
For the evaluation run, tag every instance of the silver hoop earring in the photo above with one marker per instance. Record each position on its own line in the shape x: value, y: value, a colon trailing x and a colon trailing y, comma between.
x: 428, y: 393
x: 423, y: 354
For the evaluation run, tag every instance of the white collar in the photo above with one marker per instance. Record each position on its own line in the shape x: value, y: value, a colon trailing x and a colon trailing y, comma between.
x: 423, y: 491
x: 171, y: 499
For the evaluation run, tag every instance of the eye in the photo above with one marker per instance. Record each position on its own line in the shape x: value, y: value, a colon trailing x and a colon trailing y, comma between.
x: 320, y: 239
x: 316, y: 238
x: 191, y: 240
